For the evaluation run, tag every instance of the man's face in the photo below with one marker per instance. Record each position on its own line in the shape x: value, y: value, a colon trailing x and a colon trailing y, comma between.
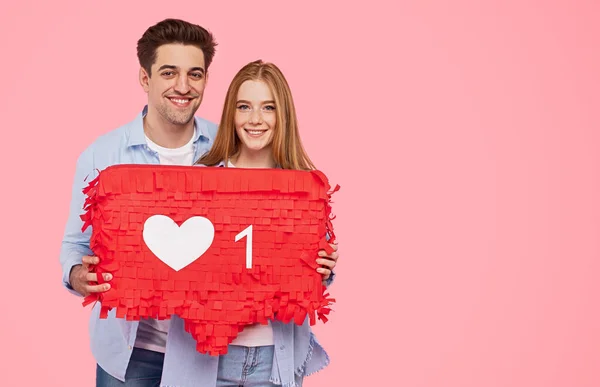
x: 176, y: 86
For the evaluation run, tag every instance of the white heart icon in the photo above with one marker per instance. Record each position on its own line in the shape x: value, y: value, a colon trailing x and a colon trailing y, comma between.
x: 178, y: 246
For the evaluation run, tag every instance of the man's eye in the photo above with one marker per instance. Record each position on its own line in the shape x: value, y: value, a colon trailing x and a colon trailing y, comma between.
x: 167, y: 73
x: 197, y: 75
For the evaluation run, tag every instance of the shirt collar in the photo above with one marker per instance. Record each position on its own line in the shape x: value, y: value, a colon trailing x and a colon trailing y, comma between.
x: 138, y: 137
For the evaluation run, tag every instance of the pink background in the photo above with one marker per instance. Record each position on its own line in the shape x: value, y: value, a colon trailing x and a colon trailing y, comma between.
x: 464, y: 135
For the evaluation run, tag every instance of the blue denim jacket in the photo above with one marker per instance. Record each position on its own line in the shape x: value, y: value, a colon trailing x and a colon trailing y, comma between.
x: 296, y: 349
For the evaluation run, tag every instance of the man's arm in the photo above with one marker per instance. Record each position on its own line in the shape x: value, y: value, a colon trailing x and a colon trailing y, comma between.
x: 76, y: 244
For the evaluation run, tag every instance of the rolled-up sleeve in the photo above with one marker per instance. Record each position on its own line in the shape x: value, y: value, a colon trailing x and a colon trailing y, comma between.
x: 75, y: 243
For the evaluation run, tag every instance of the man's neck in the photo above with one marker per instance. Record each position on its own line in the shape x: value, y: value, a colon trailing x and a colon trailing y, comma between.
x: 166, y: 134
x: 260, y: 159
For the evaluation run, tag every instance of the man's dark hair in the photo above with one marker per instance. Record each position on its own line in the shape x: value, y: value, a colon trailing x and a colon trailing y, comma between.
x: 171, y: 31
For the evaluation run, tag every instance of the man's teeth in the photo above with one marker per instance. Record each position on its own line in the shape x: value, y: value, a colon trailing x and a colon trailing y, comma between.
x: 182, y: 101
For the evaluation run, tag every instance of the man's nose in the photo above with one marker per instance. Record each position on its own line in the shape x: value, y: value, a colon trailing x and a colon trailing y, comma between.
x: 182, y: 86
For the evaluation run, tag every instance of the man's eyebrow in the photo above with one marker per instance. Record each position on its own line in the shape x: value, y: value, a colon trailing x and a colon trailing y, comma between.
x: 172, y: 67
x: 167, y: 67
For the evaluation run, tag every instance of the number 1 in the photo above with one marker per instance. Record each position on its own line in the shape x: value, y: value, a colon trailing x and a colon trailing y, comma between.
x: 247, y: 233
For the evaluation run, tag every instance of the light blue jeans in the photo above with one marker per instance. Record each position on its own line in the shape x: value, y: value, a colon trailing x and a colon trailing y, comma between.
x: 248, y: 367
x: 241, y: 366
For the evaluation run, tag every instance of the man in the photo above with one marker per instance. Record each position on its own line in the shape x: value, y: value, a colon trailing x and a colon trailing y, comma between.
x: 174, y: 58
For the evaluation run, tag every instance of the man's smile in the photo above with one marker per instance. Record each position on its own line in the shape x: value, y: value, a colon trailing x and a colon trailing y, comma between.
x: 180, y: 101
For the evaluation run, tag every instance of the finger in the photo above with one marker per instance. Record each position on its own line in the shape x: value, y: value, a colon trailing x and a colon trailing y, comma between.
x: 324, y: 272
x: 334, y: 247
x: 326, y: 262
x: 89, y: 260
x: 92, y: 277
x: 97, y: 288
x: 333, y: 255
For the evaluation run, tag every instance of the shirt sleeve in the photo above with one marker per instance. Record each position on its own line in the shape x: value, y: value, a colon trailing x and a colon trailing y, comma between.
x: 75, y: 243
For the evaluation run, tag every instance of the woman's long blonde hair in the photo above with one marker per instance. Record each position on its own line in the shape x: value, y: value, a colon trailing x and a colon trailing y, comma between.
x: 288, y: 151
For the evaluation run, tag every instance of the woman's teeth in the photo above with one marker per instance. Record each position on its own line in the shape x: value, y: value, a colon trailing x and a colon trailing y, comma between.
x: 255, y: 132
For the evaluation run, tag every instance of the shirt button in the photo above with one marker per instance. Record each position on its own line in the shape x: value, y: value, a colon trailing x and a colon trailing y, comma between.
x: 130, y: 347
x: 282, y: 347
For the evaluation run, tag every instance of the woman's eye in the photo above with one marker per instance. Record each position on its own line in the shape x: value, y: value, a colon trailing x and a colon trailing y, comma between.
x: 243, y: 107
x: 270, y: 107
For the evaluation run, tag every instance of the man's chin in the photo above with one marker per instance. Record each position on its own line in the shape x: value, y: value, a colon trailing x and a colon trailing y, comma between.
x: 181, y: 119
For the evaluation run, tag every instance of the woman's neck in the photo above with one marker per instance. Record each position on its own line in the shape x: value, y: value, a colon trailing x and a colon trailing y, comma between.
x: 254, y: 159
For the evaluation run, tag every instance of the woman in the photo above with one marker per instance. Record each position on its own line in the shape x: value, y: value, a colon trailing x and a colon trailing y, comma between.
x: 259, y: 129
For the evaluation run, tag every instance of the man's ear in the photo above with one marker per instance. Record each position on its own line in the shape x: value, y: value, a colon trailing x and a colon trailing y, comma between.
x: 144, y: 79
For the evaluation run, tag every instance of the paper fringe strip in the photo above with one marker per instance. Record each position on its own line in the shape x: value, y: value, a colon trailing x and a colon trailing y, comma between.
x: 215, y: 295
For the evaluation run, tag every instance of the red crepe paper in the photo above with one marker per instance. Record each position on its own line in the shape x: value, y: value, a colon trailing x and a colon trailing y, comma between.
x: 216, y: 295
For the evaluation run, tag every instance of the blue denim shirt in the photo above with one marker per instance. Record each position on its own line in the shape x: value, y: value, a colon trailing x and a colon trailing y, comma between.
x: 296, y: 349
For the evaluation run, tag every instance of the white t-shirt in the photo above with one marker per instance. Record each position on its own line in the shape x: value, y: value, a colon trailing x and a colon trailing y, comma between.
x: 152, y: 333
x: 257, y: 334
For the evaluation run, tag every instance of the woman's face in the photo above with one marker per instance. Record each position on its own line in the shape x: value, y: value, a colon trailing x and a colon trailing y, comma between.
x: 255, y: 116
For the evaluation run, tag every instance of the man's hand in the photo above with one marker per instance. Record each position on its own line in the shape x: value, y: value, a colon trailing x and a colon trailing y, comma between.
x: 81, y: 277
x: 327, y: 262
